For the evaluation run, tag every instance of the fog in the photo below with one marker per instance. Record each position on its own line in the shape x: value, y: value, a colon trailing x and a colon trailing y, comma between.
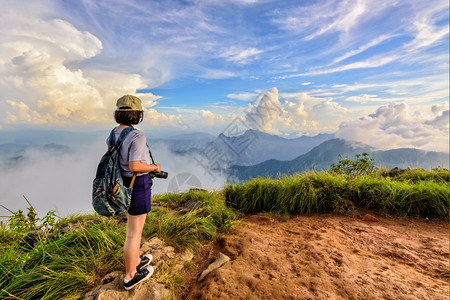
x: 63, y: 181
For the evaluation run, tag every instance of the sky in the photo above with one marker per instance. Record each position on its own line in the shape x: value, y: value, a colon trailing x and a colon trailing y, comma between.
x: 372, y: 71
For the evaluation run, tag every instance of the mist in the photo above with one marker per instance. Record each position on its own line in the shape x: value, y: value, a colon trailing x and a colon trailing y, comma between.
x: 63, y: 181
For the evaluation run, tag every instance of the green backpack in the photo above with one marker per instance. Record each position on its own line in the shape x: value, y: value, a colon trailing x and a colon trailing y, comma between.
x: 109, y: 195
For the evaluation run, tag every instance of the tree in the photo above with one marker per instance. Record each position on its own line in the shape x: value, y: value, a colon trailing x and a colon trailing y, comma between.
x: 362, y: 165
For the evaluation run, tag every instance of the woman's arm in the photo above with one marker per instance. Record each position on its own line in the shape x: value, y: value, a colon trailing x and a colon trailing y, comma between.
x: 140, y: 167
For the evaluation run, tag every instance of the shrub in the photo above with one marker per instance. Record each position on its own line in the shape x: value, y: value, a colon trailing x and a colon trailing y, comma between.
x: 362, y: 165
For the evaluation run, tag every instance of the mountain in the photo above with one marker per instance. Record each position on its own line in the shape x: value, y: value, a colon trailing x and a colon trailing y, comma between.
x: 322, y: 156
x: 12, y: 153
x: 184, y: 143
x: 44, y: 137
x: 254, y: 146
x: 249, y: 148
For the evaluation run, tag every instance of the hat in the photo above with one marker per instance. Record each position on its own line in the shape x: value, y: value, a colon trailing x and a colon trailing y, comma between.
x: 129, y: 102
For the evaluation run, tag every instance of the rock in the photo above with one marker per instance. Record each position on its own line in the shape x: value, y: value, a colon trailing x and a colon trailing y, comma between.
x: 370, y: 218
x: 153, y: 246
x: 169, y: 251
x: 220, y: 260
x: 185, y: 257
x: 148, y: 290
x: 111, y: 276
x: 112, y: 283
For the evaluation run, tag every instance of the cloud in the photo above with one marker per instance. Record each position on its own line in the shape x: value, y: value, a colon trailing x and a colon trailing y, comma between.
x: 373, y: 62
x: 239, y: 55
x: 48, y: 189
x: 217, y: 74
x: 327, y: 17
x: 299, y: 113
x: 407, y: 30
x: 397, y: 125
x: 424, y: 25
x: 244, y: 96
x: 378, y: 40
x: 155, y: 118
x: 210, y: 119
x: 364, y: 98
x: 38, y: 83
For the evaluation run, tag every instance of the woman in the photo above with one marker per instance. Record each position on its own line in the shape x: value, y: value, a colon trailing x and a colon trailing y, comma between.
x: 134, y: 158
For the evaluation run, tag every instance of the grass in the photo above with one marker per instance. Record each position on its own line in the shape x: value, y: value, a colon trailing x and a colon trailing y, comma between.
x: 69, y: 258
x: 416, y: 192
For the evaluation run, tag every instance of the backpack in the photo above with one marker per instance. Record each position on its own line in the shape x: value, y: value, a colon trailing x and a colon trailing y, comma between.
x: 109, y: 195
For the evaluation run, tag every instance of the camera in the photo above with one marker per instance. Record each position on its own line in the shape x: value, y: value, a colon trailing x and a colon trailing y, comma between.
x: 161, y: 174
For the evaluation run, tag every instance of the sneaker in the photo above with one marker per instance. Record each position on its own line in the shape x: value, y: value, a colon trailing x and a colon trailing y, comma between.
x: 145, y: 261
x: 140, y: 276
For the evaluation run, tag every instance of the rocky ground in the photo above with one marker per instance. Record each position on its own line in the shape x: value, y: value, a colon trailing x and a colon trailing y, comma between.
x: 309, y: 257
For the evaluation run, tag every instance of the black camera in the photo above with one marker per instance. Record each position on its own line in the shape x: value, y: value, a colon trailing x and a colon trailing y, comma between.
x: 154, y: 174
x: 161, y: 174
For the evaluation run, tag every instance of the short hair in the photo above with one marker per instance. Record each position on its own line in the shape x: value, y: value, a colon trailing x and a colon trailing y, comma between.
x: 130, y: 117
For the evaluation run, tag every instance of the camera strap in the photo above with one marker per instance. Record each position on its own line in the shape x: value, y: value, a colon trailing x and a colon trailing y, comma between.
x: 151, y: 156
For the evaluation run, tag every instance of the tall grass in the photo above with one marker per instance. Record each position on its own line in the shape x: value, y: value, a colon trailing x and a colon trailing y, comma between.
x: 61, y: 265
x: 72, y: 257
x: 210, y: 218
x: 423, y: 194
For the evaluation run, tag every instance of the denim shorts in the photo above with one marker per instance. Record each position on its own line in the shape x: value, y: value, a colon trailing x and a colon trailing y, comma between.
x: 141, y: 196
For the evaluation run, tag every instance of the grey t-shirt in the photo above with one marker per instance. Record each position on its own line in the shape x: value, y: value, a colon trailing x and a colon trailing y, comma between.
x: 134, y: 148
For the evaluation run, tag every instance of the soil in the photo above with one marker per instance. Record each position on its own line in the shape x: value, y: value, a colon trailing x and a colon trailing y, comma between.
x: 328, y: 257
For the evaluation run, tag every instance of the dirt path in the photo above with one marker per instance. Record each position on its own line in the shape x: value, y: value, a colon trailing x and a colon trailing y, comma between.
x: 330, y: 257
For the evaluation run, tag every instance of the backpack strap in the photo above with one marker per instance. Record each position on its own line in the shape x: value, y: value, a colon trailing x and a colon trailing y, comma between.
x: 113, y: 144
x: 123, y: 134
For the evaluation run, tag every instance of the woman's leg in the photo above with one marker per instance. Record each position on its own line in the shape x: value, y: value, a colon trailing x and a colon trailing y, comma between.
x: 135, y: 225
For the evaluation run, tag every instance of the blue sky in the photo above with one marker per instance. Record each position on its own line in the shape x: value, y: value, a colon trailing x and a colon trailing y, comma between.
x: 371, y: 71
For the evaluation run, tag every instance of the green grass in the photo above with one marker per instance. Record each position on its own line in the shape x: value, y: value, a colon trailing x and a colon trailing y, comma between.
x: 72, y: 257
x: 61, y: 265
x: 422, y: 193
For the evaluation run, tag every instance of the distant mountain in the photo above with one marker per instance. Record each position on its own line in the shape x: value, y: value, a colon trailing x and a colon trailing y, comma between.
x: 249, y: 148
x: 322, y: 156
x: 185, y: 143
x: 44, y: 137
x: 254, y: 146
x: 11, y: 153
x: 192, y: 136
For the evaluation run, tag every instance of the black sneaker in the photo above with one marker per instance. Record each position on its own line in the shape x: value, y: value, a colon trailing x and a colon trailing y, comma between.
x: 140, y: 276
x: 145, y: 261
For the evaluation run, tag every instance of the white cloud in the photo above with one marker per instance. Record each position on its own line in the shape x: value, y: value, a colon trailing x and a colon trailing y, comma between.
x: 373, y: 62
x: 217, y: 74
x: 299, y: 113
x: 155, y: 118
x: 326, y: 17
x: 209, y: 118
x: 362, y: 48
x: 423, y: 27
x: 398, y: 125
x: 240, y: 55
x: 41, y: 87
x: 364, y: 98
x: 422, y: 24
x: 244, y: 96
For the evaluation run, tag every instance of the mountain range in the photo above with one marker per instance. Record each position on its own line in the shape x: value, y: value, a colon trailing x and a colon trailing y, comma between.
x: 323, y: 155
x: 253, y: 146
x: 253, y: 153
